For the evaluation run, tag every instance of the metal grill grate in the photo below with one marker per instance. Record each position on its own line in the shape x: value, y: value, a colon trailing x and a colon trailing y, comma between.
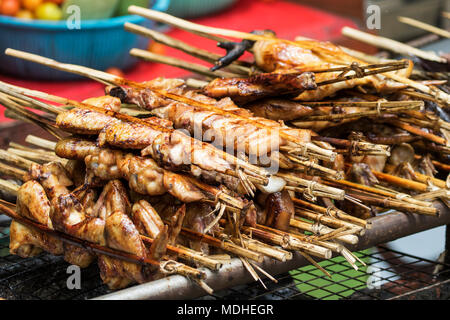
x: 389, y: 275
x: 394, y: 275
x: 43, y: 277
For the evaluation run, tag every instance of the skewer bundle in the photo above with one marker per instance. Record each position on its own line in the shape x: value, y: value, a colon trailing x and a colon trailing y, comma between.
x: 351, y: 140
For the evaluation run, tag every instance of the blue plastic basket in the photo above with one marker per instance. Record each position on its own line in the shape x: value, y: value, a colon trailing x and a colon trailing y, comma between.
x: 98, y: 44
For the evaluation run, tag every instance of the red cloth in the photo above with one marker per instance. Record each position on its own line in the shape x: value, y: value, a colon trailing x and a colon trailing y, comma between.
x: 287, y: 19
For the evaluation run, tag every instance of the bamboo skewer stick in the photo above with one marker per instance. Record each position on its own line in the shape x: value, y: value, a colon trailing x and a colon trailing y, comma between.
x: 9, y: 187
x: 26, y: 115
x: 12, y: 171
x: 366, y: 113
x: 377, y: 69
x: 418, y: 131
x: 379, y: 191
x: 426, y: 117
x: 402, y: 49
x: 227, y: 246
x: 193, y: 27
x: 15, y: 160
x: 394, y: 204
x: 321, y: 229
x: 289, y: 242
x: 334, y: 212
x: 356, y: 147
x: 400, y: 182
x: 311, y: 148
x: 265, y: 249
x: 328, y: 220
x: 314, y: 188
x: 188, y: 255
x: 390, y: 45
x: 310, y: 164
x: 174, y: 62
x: 363, y: 104
x: 40, y: 142
x: 438, y: 94
x: 238, y: 67
x: 303, y: 238
x: 424, y: 26
x: 423, y: 178
x: 35, y: 156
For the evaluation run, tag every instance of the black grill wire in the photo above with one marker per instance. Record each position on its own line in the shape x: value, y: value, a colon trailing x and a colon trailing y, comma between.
x: 398, y: 276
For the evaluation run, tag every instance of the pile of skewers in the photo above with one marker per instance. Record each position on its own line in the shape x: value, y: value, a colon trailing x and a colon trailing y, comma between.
x: 294, y: 152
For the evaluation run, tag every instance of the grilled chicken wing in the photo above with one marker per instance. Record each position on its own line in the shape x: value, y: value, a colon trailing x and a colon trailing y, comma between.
x: 309, y: 55
x: 278, y: 109
x: 261, y: 85
x: 113, y: 207
x: 28, y: 242
x: 67, y: 213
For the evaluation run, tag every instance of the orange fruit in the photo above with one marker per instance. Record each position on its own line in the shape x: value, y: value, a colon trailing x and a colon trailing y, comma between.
x: 31, y: 4
x: 156, y: 47
x: 9, y: 7
x: 115, y: 71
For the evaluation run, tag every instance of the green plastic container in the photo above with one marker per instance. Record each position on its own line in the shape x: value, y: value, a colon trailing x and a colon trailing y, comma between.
x: 197, y: 8
x: 92, y: 10
x: 122, y: 8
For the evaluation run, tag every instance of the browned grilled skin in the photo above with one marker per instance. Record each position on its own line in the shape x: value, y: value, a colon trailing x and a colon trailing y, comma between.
x: 173, y: 150
x: 260, y: 86
x: 79, y: 121
x: 67, y: 213
x: 32, y: 203
x: 227, y: 132
x: 28, y: 242
x: 77, y: 171
x: 197, y: 218
x: 113, y: 207
x: 113, y: 198
x: 146, y: 219
x: 52, y: 176
x: 68, y: 216
x: 309, y: 55
x: 158, y: 248
x: 122, y: 234
x: 176, y: 223
x: 278, y: 109
x: 280, y: 210
x: 78, y: 256
x: 143, y: 174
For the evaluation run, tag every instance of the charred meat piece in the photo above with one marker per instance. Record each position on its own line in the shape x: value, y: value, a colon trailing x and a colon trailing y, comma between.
x: 261, y: 85
x: 279, y: 210
x: 279, y: 109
